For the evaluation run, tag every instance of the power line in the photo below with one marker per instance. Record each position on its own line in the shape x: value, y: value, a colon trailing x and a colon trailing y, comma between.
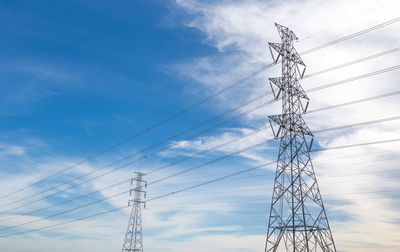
x: 69, y: 200
x: 208, y: 150
x: 230, y: 175
x: 191, y: 187
x: 355, y: 78
x: 358, y: 145
x: 265, y: 164
x: 69, y: 210
x: 267, y: 103
x: 67, y: 222
x: 328, y: 199
x: 353, y: 35
x: 145, y: 157
x: 210, y: 181
x: 354, y: 102
x: 310, y: 90
x: 34, y: 230
x: 62, y: 172
x: 134, y: 161
x: 391, y: 151
x: 351, y: 63
x: 101, y: 175
x: 263, y: 176
x: 270, y: 140
x: 117, y: 209
x: 337, y: 83
x: 257, y: 72
x: 336, y: 165
x: 323, y: 30
x: 264, y: 201
x: 242, y: 189
x: 247, y: 202
x: 309, y: 112
x: 237, y: 83
x: 124, y: 181
x: 211, y: 161
x: 344, y: 157
x: 118, y: 194
x: 329, y: 181
x: 359, y: 124
x: 335, y: 128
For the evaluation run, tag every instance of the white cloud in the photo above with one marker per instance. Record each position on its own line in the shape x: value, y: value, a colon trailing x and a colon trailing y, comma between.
x: 240, y: 30
x: 218, y: 217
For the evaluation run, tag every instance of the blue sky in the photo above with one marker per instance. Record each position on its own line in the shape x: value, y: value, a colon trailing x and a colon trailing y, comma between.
x: 79, y: 76
x: 90, y: 71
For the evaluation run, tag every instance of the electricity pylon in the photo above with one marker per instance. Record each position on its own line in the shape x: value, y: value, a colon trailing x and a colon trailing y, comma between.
x: 133, y: 241
x: 297, y: 221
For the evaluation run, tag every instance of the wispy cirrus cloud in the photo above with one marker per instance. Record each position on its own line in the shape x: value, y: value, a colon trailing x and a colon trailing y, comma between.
x: 240, y: 30
x: 232, y: 215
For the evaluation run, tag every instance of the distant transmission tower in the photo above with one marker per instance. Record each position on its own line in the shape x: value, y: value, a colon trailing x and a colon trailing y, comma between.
x: 133, y: 241
x: 297, y: 220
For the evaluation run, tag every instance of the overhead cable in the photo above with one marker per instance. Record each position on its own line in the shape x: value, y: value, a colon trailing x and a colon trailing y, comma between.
x: 237, y: 83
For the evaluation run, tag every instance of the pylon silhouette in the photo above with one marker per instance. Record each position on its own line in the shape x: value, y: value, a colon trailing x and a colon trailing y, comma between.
x: 297, y: 221
x: 133, y: 241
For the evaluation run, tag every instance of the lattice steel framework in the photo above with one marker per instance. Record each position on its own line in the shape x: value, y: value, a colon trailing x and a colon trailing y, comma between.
x: 297, y: 220
x: 133, y: 241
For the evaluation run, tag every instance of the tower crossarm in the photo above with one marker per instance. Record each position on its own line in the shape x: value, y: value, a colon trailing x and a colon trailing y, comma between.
x: 290, y: 123
x: 289, y: 50
x: 136, y: 201
x: 291, y: 86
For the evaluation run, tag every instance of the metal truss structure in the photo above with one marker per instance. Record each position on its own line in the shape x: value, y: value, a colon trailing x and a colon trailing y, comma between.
x: 133, y: 241
x: 297, y: 220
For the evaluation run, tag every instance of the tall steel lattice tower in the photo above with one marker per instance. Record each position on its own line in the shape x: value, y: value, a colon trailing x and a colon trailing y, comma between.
x: 297, y: 220
x: 133, y: 241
